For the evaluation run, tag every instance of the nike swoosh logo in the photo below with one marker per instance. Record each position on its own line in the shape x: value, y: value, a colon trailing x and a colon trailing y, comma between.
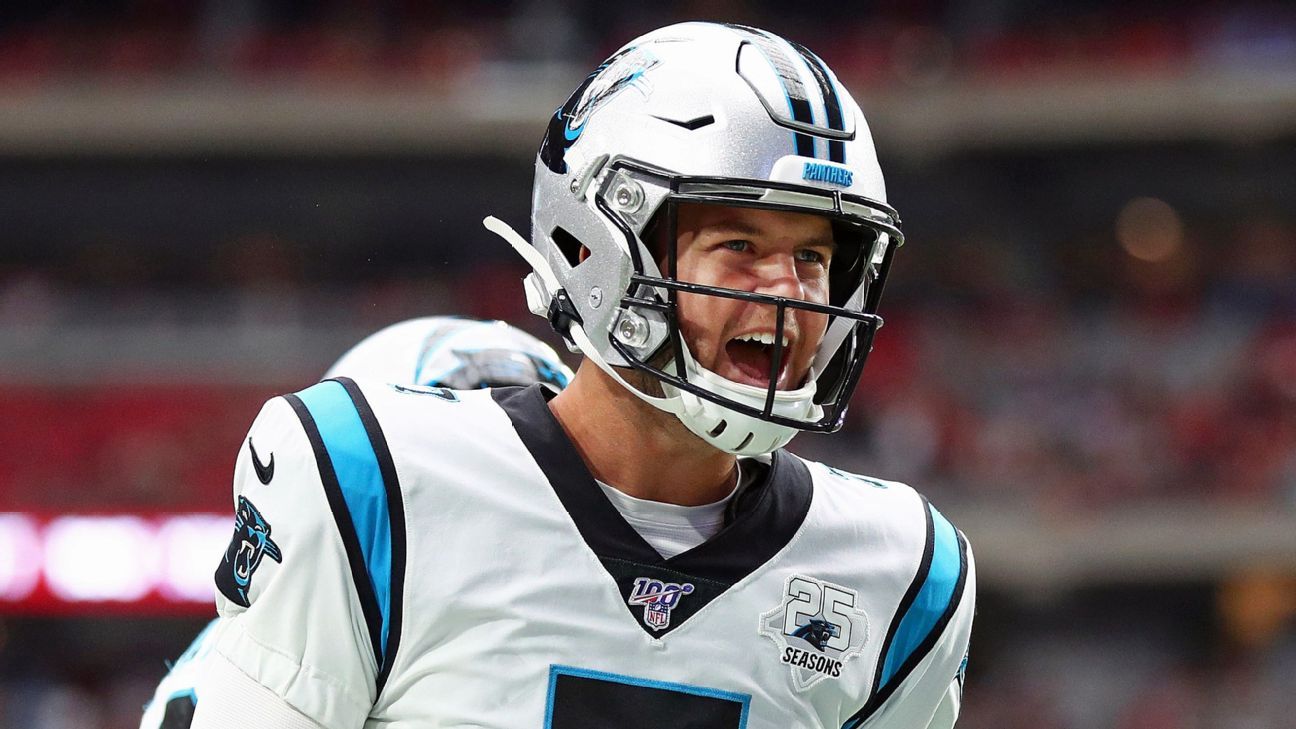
x: 264, y: 471
x: 571, y: 135
x: 690, y: 124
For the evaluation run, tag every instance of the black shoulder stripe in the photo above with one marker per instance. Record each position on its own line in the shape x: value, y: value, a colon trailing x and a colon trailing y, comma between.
x: 342, y: 517
x: 396, y: 513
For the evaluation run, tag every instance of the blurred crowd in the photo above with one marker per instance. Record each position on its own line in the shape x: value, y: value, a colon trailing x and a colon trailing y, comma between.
x: 1172, y: 382
x: 1176, y: 383
x: 398, y: 41
x: 1155, y: 671
x: 1072, y: 331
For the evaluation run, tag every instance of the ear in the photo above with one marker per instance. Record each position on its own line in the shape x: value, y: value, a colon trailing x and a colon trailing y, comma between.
x: 582, y: 254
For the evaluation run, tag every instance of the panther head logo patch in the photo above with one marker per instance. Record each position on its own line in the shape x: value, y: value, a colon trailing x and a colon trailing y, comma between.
x: 816, y: 632
x: 250, y: 544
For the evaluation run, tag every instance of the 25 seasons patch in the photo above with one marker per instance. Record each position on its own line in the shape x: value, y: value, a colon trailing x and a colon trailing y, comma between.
x: 817, y: 629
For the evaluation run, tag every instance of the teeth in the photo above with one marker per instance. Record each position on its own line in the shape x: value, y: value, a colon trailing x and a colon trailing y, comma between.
x: 766, y: 339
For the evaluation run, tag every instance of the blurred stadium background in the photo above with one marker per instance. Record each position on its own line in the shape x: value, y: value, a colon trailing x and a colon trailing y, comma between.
x: 1089, y: 361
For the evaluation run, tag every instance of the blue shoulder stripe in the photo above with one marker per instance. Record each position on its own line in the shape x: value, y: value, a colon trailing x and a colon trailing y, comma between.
x: 359, y: 482
x: 923, y: 612
x: 396, y: 513
x: 933, y: 598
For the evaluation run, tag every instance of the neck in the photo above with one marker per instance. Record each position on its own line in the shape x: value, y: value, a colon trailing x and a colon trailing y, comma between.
x: 636, y: 448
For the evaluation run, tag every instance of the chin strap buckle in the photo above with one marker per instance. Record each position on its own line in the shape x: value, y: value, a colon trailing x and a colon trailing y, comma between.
x: 562, y: 315
x: 537, y: 296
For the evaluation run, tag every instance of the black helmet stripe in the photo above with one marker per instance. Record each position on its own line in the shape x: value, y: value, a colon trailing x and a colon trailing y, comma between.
x: 798, y: 100
x: 832, y: 104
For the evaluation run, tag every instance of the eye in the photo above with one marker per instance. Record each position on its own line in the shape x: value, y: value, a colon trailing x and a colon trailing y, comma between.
x: 736, y: 245
x: 810, y: 255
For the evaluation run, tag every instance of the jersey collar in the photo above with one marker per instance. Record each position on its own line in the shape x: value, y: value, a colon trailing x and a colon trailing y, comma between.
x: 766, y: 515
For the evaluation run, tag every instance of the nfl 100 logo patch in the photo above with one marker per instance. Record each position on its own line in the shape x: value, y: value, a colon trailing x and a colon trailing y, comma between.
x: 658, y: 598
x: 817, y: 629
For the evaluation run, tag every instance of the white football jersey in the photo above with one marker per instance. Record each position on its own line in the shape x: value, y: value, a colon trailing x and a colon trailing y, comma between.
x: 173, y: 702
x: 419, y: 557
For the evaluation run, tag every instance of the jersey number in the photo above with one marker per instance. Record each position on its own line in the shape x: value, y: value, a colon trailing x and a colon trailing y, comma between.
x: 584, y: 699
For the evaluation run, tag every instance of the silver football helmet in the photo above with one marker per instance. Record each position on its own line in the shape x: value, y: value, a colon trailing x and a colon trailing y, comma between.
x: 705, y: 113
x: 454, y: 352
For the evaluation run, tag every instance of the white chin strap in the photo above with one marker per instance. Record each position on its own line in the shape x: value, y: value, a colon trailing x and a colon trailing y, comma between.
x: 735, y: 432
x: 719, y: 426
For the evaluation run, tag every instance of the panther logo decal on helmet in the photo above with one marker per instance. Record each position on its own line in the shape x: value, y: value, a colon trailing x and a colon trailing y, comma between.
x: 623, y: 70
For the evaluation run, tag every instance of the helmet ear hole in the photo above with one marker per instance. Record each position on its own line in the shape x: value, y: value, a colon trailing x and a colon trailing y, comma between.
x: 571, y: 248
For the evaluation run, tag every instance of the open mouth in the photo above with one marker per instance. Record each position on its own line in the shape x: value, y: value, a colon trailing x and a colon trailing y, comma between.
x: 749, y: 358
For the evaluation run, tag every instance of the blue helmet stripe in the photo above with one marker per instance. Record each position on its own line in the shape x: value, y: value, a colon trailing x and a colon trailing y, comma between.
x: 793, y: 88
x: 832, y: 103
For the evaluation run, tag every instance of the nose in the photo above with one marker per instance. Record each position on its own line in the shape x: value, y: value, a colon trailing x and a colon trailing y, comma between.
x: 776, y: 275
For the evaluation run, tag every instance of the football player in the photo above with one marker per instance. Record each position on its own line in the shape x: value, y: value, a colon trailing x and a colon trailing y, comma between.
x: 709, y: 229
x: 430, y: 352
